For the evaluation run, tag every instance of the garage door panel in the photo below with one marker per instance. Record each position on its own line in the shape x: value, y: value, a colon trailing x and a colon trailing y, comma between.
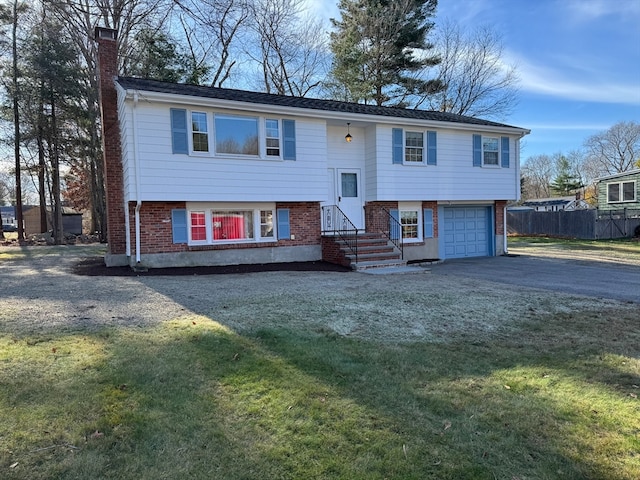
x: 467, y: 231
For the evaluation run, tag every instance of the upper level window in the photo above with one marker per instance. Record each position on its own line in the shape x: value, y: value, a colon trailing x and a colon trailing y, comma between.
x: 236, y: 135
x: 490, y: 151
x: 272, y: 131
x: 199, y: 132
x: 414, y: 145
x: 621, y: 192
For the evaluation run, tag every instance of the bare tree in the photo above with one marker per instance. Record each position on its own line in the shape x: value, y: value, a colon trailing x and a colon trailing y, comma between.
x: 476, y: 80
x: 80, y: 18
x: 615, y: 150
x: 211, y: 28
x: 538, y: 172
x: 292, y: 48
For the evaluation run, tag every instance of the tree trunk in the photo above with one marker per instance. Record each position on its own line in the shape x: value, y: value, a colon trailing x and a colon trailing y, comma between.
x: 16, y: 124
x: 58, y: 234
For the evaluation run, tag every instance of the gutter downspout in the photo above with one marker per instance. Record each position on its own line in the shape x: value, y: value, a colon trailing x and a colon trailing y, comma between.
x: 136, y: 162
x: 504, y: 230
x: 518, y: 195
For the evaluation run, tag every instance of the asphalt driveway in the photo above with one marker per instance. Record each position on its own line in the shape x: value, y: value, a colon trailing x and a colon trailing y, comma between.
x: 599, y: 279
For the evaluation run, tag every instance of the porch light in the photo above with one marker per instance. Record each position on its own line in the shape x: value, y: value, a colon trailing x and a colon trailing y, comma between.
x: 348, y: 136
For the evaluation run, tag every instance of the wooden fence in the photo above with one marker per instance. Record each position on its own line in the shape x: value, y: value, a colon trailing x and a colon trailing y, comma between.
x: 582, y: 224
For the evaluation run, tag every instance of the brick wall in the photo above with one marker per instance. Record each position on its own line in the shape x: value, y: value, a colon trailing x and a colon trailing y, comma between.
x: 304, y: 218
x: 499, y: 208
x: 112, y: 156
x: 376, y: 220
x: 156, y: 235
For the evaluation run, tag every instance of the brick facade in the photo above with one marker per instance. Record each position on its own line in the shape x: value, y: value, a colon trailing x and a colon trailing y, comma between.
x: 156, y: 235
x: 499, y: 208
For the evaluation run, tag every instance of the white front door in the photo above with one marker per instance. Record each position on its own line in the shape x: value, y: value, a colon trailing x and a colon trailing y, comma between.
x: 349, y: 195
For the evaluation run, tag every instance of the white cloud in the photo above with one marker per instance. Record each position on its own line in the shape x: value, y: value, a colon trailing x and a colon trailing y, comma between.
x: 574, y: 83
x: 595, y: 9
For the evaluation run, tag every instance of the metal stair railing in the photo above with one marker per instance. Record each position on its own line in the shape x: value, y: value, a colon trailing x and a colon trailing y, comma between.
x: 391, y: 228
x: 336, y: 222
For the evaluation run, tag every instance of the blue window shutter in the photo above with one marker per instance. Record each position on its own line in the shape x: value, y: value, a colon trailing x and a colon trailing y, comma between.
x: 505, y: 151
x: 289, y: 134
x: 428, y: 223
x: 477, y: 150
x: 395, y: 230
x: 398, y: 147
x: 179, y: 134
x: 284, y: 228
x: 179, y: 225
x: 432, y: 148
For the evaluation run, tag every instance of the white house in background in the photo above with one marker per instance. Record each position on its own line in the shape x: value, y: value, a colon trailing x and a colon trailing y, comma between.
x: 209, y: 176
x: 556, y: 204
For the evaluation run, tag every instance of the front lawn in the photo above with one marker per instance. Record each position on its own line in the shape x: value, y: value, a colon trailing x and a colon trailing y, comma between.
x: 617, y: 249
x: 189, y: 398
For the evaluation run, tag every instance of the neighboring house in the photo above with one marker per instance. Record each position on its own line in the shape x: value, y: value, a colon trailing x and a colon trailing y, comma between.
x: 8, y: 214
x: 620, y: 191
x: 209, y: 176
x: 71, y: 219
x: 556, y: 204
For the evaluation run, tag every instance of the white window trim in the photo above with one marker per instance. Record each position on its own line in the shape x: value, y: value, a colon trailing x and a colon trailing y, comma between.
x: 209, y: 208
x: 404, y: 146
x: 193, y: 152
x: 262, y: 136
x: 412, y: 207
x: 620, y: 191
x: 491, y: 165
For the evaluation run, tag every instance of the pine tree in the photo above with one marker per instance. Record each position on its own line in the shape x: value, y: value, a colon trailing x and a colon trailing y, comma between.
x: 565, y: 183
x: 378, y: 44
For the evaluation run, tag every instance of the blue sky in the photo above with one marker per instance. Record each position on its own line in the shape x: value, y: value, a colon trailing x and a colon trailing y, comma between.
x: 578, y: 62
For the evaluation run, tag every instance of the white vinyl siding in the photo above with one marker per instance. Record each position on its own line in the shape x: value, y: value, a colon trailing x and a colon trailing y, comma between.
x: 225, y: 178
x: 454, y: 179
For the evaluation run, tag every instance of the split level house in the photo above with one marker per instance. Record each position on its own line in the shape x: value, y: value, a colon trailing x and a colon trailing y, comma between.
x: 211, y: 176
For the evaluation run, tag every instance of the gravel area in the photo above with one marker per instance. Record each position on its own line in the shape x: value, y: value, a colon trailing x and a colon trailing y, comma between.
x: 53, y: 290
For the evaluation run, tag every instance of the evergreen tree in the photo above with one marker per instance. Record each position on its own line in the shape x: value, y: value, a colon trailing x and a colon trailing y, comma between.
x: 565, y: 182
x: 378, y: 45
x: 155, y: 55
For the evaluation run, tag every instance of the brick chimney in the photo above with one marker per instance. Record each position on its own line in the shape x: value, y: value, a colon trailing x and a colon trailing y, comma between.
x: 112, y: 153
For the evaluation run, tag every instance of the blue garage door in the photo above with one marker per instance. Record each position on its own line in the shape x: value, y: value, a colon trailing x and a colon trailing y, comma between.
x: 467, y: 232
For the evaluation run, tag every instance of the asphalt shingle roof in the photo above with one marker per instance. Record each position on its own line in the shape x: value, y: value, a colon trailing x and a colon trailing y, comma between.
x: 131, y: 83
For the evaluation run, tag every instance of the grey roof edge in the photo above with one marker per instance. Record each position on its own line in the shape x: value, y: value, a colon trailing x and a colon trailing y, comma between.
x: 621, y: 174
x: 134, y: 83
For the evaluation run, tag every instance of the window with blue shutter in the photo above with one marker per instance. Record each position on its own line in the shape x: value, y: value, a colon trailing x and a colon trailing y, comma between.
x: 428, y: 223
x: 284, y: 228
x: 179, y: 225
x: 477, y: 150
x: 179, y: 133
x: 432, y: 148
x: 289, y: 139
x: 398, y: 145
x: 395, y: 229
x: 505, y: 151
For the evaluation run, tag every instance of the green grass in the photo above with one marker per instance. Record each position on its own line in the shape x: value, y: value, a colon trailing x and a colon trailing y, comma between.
x: 615, y: 249
x: 192, y: 399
